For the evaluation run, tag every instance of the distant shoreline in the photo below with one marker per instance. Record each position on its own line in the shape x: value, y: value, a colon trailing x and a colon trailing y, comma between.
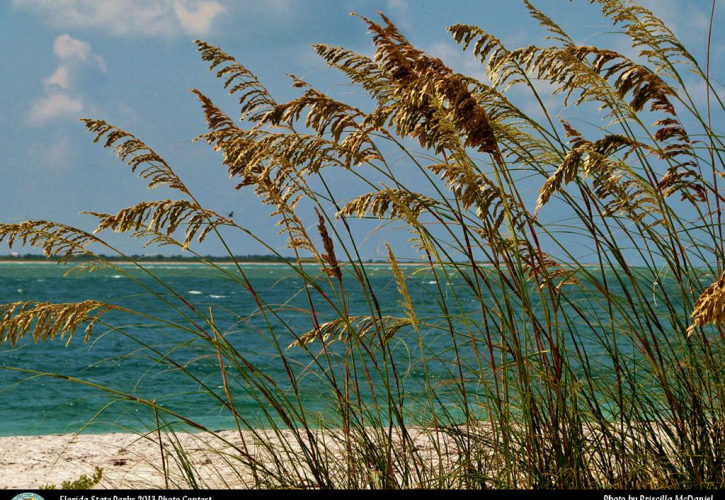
x: 220, y: 262
x: 153, y: 262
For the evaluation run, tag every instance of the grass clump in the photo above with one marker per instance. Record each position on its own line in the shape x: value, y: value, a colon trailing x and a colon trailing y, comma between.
x: 84, y: 482
x: 530, y: 366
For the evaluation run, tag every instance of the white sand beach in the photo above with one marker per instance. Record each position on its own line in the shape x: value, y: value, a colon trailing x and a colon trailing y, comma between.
x: 134, y: 460
x: 127, y: 460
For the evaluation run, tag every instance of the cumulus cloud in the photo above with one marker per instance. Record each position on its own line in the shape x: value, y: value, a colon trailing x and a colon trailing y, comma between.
x: 55, y: 106
x: 122, y: 17
x: 61, y: 99
x: 73, y: 56
x: 60, y: 78
x: 67, y: 48
x: 198, y: 19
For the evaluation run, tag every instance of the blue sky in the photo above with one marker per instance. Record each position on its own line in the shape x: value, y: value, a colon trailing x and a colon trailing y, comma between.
x: 132, y: 63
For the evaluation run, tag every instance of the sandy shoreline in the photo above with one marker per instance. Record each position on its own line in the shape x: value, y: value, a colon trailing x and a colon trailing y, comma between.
x: 30, y: 462
x: 128, y: 460
x: 133, y: 461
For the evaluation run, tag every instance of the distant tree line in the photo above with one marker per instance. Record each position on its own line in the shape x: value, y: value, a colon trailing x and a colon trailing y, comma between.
x: 148, y: 258
x: 34, y: 257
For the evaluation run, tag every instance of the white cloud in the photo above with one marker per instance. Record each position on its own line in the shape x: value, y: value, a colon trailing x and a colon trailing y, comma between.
x: 197, y: 20
x: 54, y: 151
x: 455, y: 58
x: 60, y: 78
x: 398, y: 5
x: 689, y: 20
x: 61, y: 99
x: 55, y: 106
x: 398, y: 12
x: 73, y: 54
x: 122, y: 17
x: 68, y: 48
x: 59, y: 148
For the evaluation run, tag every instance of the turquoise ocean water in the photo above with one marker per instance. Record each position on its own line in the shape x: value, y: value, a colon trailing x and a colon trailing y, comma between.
x: 37, y: 405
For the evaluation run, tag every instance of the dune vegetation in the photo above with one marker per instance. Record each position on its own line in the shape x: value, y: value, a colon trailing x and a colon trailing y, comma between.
x: 533, y: 364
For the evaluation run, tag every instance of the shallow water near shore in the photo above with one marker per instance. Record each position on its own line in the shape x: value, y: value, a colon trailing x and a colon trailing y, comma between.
x: 39, y: 405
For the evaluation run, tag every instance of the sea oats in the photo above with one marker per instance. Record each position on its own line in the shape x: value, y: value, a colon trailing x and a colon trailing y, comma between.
x: 395, y: 203
x: 164, y: 216
x: 354, y: 329
x: 406, y: 302
x: 254, y: 100
x: 513, y: 377
x: 331, y: 266
x: 52, y: 238
x: 48, y: 321
x: 710, y: 306
x: 136, y: 154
